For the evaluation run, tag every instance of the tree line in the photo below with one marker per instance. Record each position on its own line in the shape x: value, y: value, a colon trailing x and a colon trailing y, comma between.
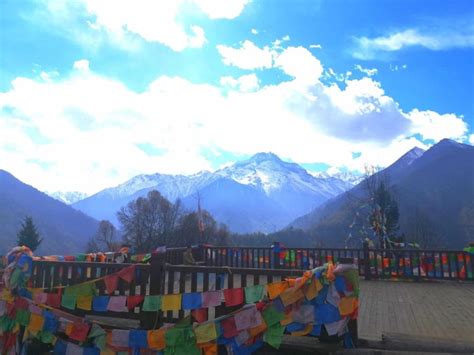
x: 152, y: 221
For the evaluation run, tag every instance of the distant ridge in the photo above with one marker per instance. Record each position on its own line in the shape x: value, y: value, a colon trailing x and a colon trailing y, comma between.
x: 438, y: 183
x: 263, y: 193
x: 64, y: 229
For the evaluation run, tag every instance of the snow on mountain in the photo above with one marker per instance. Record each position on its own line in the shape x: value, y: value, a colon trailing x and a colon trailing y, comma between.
x: 285, y: 188
x: 68, y: 197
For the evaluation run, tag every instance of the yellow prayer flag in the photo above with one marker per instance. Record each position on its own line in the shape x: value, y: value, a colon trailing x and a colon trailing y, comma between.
x: 287, y: 320
x: 171, y: 302
x: 205, y: 332
x: 276, y: 288
x: 156, y: 339
x: 313, y: 289
x: 348, y: 305
x: 69, y: 327
x: 291, y: 296
x: 36, y: 322
x: 84, y: 303
x: 6, y: 295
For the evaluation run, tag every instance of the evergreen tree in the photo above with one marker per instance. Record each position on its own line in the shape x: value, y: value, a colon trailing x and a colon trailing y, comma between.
x: 28, y: 235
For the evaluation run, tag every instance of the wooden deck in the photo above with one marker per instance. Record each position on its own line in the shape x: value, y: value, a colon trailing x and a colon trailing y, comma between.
x: 442, y: 310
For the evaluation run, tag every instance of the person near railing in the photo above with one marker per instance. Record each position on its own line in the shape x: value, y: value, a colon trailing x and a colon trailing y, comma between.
x: 188, y: 257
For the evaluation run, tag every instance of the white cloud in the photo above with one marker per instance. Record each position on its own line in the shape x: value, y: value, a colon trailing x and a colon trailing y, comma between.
x: 366, y: 71
x: 315, y: 46
x: 245, y: 83
x: 248, y: 56
x: 299, y: 63
x: 94, y: 22
x: 367, y: 48
x: 82, y: 64
x: 82, y: 131
x: 471, y: 139
x: 396, y: 67
x: 217, y: 9
x: 254, y: 31
x: 432, y: 125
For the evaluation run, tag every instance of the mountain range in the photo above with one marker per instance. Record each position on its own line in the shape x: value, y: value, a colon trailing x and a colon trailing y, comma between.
x: 434, y: 191
x: 262, y: 193
x: 63, y: 229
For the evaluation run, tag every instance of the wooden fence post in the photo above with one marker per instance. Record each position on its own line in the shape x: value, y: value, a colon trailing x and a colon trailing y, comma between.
x: 150, y: 320
x: 276, y: 255
x: 367, y: 272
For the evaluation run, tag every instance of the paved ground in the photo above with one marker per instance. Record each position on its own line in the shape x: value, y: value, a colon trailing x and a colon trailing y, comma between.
x: 444, y: 310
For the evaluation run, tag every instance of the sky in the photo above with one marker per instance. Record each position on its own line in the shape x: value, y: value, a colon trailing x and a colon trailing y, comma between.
x: 94, y: 92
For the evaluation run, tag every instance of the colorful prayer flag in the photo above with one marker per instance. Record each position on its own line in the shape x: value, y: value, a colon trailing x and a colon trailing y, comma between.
x: 171, y: 302
x: 233, y: 296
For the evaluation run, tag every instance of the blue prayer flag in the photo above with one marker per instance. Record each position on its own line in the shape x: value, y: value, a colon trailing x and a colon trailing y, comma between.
x: 295, y: 327
x: 316, y: 330
x: 99, y: 303
x: 191, y: 300
x: 340, y: 284
x: 321, y: 297
x: 327, y: 313
x: 60, y: 347
x: 50, y: 323
x: 137, y: 339
x: 278, y: 304
x: 91, y: 351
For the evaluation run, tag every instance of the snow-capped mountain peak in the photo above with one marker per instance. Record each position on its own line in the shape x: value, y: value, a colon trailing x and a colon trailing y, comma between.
x: 68, y: 197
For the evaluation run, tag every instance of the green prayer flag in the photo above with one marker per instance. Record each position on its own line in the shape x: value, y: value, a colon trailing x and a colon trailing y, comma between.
x: 181, y: 340
x: 68, y: 301
x: 46, y: 337
x: 274, y: 335
x: 87, y: 289
x: 272, y: 315
x: 96, y: 330
x: 254, y: 293
x: 81, y: 257
x: 6, y: 324
x: 100, y: 341
x: 151, y: 304
x: 353, y: 277
x: 23, y: 316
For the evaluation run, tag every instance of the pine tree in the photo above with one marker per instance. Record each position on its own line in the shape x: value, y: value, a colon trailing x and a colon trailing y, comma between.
x: 28, y: 235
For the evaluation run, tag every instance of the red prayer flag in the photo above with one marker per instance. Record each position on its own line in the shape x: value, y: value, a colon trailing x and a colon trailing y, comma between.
x: 79, y: 331
x: 200, y: 315
x: 229, y: 328
x: 11, y: 310
x: 133, y: 301
x: 233, y: 296
x: 53, y: 300
x: 111, y: 282
x: 21, y: 303
x: 127, y: 274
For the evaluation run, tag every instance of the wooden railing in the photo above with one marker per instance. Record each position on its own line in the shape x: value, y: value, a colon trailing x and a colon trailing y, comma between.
x: 372, y: 263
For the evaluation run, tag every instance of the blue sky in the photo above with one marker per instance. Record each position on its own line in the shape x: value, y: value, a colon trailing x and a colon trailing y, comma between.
x: 95, y: 92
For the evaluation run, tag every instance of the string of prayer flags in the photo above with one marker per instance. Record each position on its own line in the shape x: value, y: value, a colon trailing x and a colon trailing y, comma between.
x: 138, y: 339
x: 348, y: 305
x: 53, y: 300
x: 229, y: 328
x: 248, y: 317
x: 171, y: 302
x: 151, y: 303
x: 79, y: 331
x: 134, y: 301
x: 254, y: 293
x: 68, y: 301
x: 111, y: 283
x: 120, y: 338
x: 205, y: 332
x: 36, y: 322
x: 200, y: 315
x: 127, y: 274
x: 84, y: 303
x: 99, y: 303
x: 233, y: 296
x: 211, y: 299
x: 192, y: 301
x: 276, y: 288
x: 117, y: 304
x: 156, y: 339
